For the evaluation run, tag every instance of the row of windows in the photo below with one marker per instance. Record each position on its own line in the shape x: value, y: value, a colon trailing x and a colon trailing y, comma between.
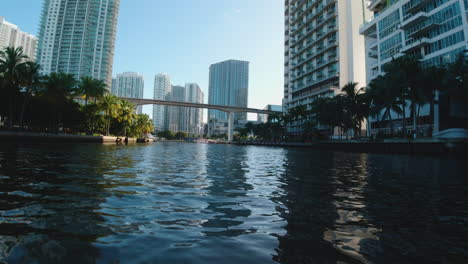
x: 389, y: 24
x: 445, y: 42
x: 443, y: 59
x: 390, y: 47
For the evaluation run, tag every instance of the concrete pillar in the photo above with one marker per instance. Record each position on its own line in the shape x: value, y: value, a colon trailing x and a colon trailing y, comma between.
x: 230, y: 125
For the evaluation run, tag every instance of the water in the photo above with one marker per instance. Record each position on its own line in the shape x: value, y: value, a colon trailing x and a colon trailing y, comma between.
x: 194, y: 203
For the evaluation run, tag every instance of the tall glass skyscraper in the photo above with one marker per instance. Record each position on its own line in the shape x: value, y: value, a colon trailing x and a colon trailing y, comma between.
x: 194, y: 118
x: 162, y: 90
x: 129, y: 84
x: 78, y: 37
x: 228, y: 85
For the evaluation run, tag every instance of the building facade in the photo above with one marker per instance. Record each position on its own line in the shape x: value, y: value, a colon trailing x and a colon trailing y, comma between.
x: 162, y: 90
x: 177, y: 115
x: 128, y: 84
x: 228, y: 85
x: 435, y: 30
x: 78, y: 37
x: 323, y: 50
x: 264, y: 118
x: 12, y: 36
x: 194, y: 118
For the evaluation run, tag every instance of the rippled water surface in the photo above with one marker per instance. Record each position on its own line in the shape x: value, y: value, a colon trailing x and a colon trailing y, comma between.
x: 195, y: 203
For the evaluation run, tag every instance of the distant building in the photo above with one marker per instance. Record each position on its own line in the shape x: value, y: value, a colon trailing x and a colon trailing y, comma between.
x: 437, y: 31
x: 12, y: 36
x: 78, y: 37
x: 177, y: 115
x: 323, y: 50
x: 217, y: 127
x: 194, y: 116
x: 228, y: 85
x: 263, y: 118
x: 162, y: 90
x: 128, y: 84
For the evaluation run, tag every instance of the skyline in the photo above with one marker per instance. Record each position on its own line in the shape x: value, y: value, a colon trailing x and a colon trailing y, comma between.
x: 204, y: 33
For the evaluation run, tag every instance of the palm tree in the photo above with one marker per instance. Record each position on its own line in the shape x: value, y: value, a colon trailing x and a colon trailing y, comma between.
x: 384, y: 100
x: 57, y: 89
x: 110, y: 105
x: 91, y: 88
x: 30, y: 80
x: 12, y: 62
x: 406, y: 72
x: 356, y: 104
x: 143, y: 124
x: 126, y: 115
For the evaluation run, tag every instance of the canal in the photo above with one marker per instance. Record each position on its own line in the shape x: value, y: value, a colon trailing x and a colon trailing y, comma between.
x: 196, y: 203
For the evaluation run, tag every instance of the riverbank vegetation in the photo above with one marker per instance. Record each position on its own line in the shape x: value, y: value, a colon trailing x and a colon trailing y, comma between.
x: 59, y: 102
x: 396, y: 96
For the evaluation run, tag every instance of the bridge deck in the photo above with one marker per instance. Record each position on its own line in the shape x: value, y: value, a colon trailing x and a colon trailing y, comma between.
x: 223, y: 108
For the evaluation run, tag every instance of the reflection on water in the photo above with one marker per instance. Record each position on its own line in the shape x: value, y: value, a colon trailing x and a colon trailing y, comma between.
x: 192, y: 203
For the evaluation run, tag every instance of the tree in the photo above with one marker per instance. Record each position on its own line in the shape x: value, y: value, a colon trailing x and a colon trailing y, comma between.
x: 91, y: 88
x: 166, y: 134
x: 57, y: 89
x: 180, y: 135
x: 110, y: 105
x: 30, y: 79
x: 383, y: 98
x: 12, y: 63
x: 142, y: 125
x: 356, y: 105
x: 126, y: 115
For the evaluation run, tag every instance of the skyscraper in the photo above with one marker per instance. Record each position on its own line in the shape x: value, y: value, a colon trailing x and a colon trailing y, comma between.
x: 194, y: 116
x: 436, y: 31
x: 323, y: 50
x: 12, y: 36
x: 78, y: 37
x: 177, y: 114
x: 162, y: 89
x: 129, y: 84
x: 228, y: 85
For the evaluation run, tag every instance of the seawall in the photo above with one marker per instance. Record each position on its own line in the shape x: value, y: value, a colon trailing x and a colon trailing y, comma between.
x: 62, y: 138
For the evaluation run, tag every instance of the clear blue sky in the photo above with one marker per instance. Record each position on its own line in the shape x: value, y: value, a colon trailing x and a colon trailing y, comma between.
x: 183, y: 37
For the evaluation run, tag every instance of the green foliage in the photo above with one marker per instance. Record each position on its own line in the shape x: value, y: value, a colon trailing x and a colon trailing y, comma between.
x: 48, y: 103
x: 166, y: 134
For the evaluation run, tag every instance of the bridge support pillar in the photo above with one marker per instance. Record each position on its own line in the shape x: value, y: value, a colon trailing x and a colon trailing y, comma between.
x: 230, y: 126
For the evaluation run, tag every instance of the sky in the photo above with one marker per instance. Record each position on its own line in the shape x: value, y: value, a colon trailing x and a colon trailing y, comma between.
x: 183, y: 37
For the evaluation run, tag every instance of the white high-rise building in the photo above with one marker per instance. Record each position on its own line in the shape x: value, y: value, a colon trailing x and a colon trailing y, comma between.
x: 323, y: 50
x: 177, y: 115
x: 129, y: 84
x: 78, y: 37
x: 12, y: 36
x: 162, y: 90
x: 435, y: 30
x: 194, y: 116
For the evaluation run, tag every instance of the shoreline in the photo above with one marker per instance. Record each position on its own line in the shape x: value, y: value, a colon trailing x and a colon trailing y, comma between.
x: 58, y: 138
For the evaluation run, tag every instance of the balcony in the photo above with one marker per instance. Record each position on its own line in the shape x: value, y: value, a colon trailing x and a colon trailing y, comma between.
x: 413, y: 20
x: 373, y: 54
x: 368, y: 26
x: 377, y: 5
x: 415, y: 45
x: 424, y: 28
x: 417, y: 5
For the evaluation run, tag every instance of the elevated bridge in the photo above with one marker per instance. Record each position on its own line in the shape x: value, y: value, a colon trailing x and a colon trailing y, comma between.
x: 228, y: 109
